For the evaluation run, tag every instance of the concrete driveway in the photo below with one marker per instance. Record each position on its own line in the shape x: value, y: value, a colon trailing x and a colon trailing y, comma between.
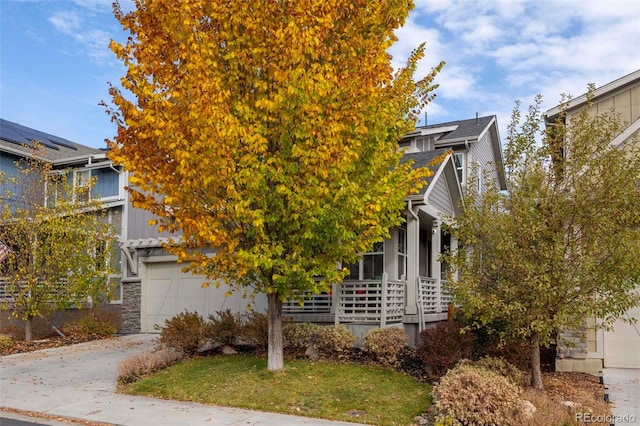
x: 79, y: 382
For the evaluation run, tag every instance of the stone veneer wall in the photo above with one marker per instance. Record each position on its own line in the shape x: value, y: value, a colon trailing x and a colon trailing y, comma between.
x: 131, y: 302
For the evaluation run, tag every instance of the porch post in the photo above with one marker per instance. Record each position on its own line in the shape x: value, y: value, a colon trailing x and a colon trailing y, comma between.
x: 383, y: 307
x: 335, y: 304
x: 435, y: 262
x: 413, y: 259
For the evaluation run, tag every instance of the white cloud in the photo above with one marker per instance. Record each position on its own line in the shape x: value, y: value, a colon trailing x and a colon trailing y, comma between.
x: 66, y: 22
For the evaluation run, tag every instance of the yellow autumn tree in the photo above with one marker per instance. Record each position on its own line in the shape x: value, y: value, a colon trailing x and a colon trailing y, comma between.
x: 57, y: 242
x: 267, y: 130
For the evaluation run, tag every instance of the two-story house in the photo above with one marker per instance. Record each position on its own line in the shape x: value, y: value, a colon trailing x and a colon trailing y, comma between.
x: 398, y: 283
x: 76, y: 163
x: 619, y: 348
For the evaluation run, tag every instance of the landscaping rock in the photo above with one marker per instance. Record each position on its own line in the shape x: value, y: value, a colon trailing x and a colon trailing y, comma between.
x: 527, y: 409
x: 228, y: 350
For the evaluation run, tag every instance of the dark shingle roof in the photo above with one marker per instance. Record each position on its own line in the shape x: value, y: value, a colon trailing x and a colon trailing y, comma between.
x: 18, y: 137
x: 466, y: 129
x: 421, y: 159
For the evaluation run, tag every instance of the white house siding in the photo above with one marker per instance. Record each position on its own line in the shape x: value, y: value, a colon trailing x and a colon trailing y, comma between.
x: 482, y: 152
x: 440, y: 197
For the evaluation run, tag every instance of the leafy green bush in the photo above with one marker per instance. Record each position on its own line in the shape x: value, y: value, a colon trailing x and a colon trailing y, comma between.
x: 385, y: 344
x: 255, y: 330
x: 185, y: 332
x: 133, y: 368
x: 443, y: 346
x: 471, y: 395
x: 225, y: 327
x: 5, y: 342
x: 335, y: 342
x: 94, y: 325
x: 297, y: 337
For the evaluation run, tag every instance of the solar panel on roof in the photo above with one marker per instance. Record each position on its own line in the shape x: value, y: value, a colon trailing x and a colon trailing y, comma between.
x: 10, y: 135
x: 19, y: 134
x: 62, y: 142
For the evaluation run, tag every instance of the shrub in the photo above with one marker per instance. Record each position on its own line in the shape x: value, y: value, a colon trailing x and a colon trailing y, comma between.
x: 443, y: 346
x: 132, y: 369
x: 255, y: 331
x: 94, y: 325
x: 225, y: 327
x: 385, y: 344
x: 474, y: 395
x: 334, y: 342
x: 5, y: 342
x: 185, y: 332
x: 504, y: 368
x: 297, y: 337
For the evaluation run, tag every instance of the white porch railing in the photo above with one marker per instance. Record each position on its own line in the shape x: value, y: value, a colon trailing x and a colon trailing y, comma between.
x: 318, y: 304
x: 368, y: 301
x: 432, y: 298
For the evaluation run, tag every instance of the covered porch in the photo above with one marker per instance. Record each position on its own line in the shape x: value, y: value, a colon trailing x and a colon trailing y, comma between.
x: 401, y: 281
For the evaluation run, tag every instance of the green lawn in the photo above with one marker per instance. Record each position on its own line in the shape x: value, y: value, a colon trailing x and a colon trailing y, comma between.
x: 347, y: 392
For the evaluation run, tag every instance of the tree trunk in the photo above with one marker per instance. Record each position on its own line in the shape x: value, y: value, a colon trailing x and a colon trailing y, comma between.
x: 275, y: 357
x: 28, y: 329
x: 536, y: 375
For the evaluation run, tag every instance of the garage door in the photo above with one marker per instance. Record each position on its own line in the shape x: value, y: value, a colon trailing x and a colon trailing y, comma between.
x: 166, y: 292
x: 622, y: 345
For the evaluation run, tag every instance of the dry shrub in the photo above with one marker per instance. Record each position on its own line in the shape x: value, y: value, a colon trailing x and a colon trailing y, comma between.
x: 474, y: 395
x: 225, y: 327
x: 550, y: 411
x: 132, y: 369
x: 502, y: 367
x: 385, y: 344
x: 298, y: 337
x: 443, y: 346
x: 95, y: 325
x: 255, y: 331
x: 185, y: 332
x: 335, y: 342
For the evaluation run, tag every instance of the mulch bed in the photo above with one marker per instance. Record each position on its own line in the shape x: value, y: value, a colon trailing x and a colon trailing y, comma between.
x: 20, y: 346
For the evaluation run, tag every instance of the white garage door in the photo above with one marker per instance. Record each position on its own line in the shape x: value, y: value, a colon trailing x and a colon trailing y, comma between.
x: 622, y: 345
x: 166, y: 292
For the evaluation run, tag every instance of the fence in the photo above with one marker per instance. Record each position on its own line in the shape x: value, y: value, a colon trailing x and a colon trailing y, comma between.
x: 367, y: 301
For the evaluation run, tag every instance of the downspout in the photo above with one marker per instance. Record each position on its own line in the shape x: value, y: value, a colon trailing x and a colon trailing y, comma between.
x: 417, y: 278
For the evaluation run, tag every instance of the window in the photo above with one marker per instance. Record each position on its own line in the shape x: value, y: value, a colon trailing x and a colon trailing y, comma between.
x: 101, y: 183
x: 370, y: 267
x: 425, y: 143
x: 107, y: 183
x: 459, y: 162
x: 402, y: 253
x: 479, y: 172
x: 82, y: 185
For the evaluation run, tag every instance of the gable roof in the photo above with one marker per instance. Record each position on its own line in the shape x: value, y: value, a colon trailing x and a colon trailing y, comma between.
x: 18, y: 139
x: 423, y: 158
x: 552, y: 114
x: 456, y: 131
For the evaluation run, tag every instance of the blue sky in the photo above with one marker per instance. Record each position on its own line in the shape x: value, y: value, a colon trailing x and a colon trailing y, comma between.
x: 55, y: 63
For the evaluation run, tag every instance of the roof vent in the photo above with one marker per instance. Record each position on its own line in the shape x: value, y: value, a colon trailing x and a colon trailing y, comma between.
x: 477, y: 118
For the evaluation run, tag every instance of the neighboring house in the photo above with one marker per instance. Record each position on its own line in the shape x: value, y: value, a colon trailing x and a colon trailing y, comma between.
x: 398, y: 283
x: 77, y: 162
x: 619, y: 348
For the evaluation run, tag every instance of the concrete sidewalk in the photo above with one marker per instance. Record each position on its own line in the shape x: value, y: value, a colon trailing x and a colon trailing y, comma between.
x: 623, y: 387
x: 79, y: 382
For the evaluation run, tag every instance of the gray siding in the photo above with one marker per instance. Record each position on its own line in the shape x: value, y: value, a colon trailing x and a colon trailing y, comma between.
x: 440, y: 197
x: 138, y: 225
x: 482, y: 151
